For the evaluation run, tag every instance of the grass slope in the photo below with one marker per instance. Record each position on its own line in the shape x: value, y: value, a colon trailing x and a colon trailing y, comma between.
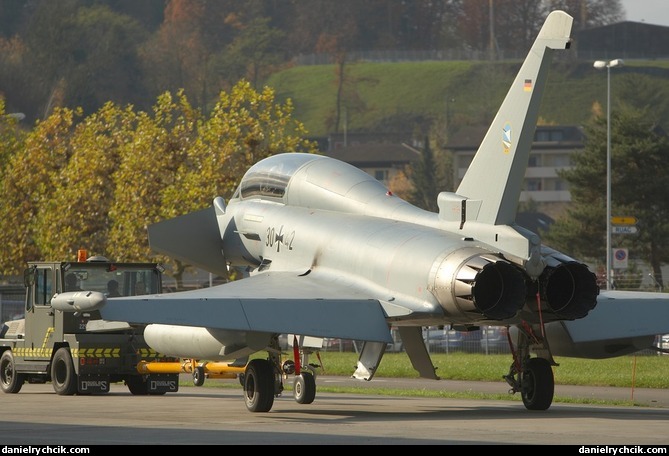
x: 386, y: 96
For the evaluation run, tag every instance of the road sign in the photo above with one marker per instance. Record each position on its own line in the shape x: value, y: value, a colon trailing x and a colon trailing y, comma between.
x: 624, y: 220
x: 620, y: 258
x: 624, y: 229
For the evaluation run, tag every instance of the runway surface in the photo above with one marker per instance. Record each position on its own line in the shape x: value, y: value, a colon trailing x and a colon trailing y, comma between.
x: 217, y: 416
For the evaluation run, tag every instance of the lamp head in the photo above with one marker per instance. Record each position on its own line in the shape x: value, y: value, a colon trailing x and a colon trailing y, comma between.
x: 600, y: 64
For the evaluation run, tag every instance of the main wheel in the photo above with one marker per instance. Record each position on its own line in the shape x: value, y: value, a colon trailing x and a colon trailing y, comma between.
x: 63, y: 376
x: 198, y: 376
x: 10, y: 380
x: 137, y: 385
x: 537, y: 384
x: 259, y: 385
x: 304, y: 388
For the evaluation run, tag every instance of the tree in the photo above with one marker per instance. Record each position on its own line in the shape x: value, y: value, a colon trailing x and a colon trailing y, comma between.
x: 590, y: 13
x: 73, y: 214
x: 180, y: 54
x: 11, y: 136
x: 424, y: 180
x: 105, y: 62
x: 149, y: 165
x: 174, y: 57
x: 255, y: 50
x: 429, y: 176
x: 98, y: 182
x: 30, y: 179
x: 515, y: 23
x: 180, y: 160
x: 639, y: 150
x: 15, y: 81
x: 82, y: 56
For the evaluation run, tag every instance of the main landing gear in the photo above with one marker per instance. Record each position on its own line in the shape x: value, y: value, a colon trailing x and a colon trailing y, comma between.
x: 263, y: 379
x: 532, y: 377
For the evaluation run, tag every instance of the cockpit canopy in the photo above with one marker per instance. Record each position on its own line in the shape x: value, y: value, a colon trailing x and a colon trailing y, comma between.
x: 270, y: 177
x: 317, y: 181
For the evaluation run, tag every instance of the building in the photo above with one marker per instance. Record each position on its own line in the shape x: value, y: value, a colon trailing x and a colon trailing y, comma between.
x: 551, y: 152
x: 623, y: 40
x: 381, y: 156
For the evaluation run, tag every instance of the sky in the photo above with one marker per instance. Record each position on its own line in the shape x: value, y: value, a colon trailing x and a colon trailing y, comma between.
x: 648, y: 11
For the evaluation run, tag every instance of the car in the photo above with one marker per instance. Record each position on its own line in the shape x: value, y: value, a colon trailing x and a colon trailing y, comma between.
x: 340, y: 345
x: 662, y: 343
x: 471, y: 340
x: 442, y: 340
x: 494, y: 339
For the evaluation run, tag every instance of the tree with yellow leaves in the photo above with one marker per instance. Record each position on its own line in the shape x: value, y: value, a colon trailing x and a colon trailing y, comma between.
x: 99, y: 183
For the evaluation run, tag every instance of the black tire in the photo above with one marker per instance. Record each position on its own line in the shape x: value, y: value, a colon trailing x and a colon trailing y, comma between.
x: 537, y: 384
x: 10, y: 381
x: 137, y: 385
x: 63, y: 376
x: 304, y: 388
x: 259, y: 386
x: 198, y: 376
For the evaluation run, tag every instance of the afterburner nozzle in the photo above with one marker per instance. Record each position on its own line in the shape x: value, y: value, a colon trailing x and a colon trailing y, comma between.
x: 475, y: 285
x: 570, y: 290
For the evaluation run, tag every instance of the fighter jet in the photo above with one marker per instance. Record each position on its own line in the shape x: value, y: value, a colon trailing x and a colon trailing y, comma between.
x: 327, y: 251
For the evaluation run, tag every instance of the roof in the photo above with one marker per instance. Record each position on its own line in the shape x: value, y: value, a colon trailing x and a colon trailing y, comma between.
x: 469, y: 138
x: 376, y: 154
x: 534, y: 221
x: 623, y: 40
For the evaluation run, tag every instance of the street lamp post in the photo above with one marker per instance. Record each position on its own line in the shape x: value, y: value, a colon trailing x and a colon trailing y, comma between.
x: 599, y: 64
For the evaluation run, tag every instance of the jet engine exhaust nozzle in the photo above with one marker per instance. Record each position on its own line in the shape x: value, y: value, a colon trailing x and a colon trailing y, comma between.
x: 479, y: 286
x: 570, y: 290
x: 499, y: 290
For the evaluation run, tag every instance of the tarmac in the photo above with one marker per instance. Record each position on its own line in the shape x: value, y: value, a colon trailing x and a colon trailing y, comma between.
x: 645, y: 397
x: 218, y: 416
x: 642, y: 397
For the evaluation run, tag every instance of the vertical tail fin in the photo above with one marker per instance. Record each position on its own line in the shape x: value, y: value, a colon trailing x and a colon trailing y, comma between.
x: 496, y: 174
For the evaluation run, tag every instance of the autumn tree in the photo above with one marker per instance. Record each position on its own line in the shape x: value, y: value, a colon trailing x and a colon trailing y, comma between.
x: 75, y: 214
x: 98, y: 182
x: 180, y: 160
x: 11, y: 136
x: 30, y: 179
x: 183, y: 51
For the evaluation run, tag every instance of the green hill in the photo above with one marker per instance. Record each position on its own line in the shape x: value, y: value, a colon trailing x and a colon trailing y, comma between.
x: 388, y: 97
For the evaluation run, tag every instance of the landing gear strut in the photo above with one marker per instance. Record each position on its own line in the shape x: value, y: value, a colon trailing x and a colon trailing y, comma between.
x: 532, y: 377
x: 263, y: 379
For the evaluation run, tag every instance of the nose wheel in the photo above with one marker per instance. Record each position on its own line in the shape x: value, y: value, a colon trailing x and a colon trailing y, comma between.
x: 304, y: 388
x: 304, y: 383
